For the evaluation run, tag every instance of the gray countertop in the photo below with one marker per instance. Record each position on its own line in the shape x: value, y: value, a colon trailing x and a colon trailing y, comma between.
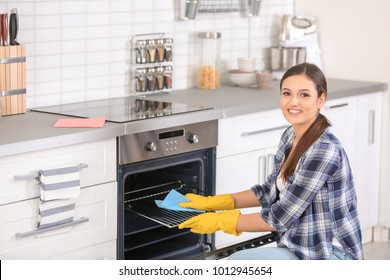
x: 34, y: 131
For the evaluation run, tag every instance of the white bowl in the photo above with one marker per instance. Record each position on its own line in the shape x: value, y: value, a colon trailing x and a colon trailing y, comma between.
x: 246, y: 64
x: 242, y: 79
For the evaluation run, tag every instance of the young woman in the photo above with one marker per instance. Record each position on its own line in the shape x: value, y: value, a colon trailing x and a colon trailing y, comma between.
x: 309, y: 199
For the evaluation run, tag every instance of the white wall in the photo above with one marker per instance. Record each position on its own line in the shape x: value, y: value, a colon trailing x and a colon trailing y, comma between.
x: 78, y: 50
x: 355, y: 44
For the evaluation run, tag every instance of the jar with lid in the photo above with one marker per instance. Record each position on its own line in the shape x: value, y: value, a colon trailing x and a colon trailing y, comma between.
x: 168, y: 45
x: 151, y: 79
x: 168, y: 77
x: 160, y: 78
x: 210, y: 53
x: 160, y: 50
x: 151, y: 51
x: 140, y: 77
x: 140, y: 52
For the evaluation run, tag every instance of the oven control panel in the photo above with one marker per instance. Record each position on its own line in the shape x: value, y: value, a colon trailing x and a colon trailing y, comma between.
x: 169, y: 141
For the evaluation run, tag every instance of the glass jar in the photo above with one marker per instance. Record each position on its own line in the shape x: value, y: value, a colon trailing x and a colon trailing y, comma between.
x: 160, y: 78
x: 168, y: 43
x: 210, y: 53
x: 141, y: 82
x: 168, y: 77
x: 140, y: 52
x: 151, y: 47
x: 160, y: 50
x: 151, y: 79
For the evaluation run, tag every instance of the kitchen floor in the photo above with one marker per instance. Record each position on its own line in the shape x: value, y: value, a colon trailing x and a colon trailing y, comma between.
x: 377, y: 251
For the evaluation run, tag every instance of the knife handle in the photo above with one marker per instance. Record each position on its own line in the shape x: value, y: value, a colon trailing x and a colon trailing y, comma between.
x: 4, y: 29
x: 13, y: 29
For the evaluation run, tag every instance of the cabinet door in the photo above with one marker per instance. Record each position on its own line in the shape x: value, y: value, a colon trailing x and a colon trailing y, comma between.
x: 238, y: 173
x: 99, y: 156
x: 367, y: 172
x: 97, y: 203
x: 342, y: 114
x: 250, y: 132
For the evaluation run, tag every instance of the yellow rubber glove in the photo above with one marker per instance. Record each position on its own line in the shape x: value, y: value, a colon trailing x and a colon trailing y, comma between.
x: 211, y: 222
x: 209, y: 203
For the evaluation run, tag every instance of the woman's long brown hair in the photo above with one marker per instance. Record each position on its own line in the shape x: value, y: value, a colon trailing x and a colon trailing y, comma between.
x: 320, y: 123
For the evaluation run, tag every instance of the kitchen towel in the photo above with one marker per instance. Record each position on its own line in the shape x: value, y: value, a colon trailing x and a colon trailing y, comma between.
x: 80, y: 123
x: 60, y: 187
x: 60, y: 183
x: 172, y: 200
x: 55, y: 212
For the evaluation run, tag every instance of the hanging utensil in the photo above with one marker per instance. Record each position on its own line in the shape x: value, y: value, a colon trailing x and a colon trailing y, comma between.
x: 13, y: 27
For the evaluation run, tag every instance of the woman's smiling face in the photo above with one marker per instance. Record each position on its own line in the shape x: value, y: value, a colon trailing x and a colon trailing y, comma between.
x: 300, y: 102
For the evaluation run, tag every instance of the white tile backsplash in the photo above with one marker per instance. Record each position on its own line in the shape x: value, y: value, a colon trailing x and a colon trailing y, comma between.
x: 79, y: 50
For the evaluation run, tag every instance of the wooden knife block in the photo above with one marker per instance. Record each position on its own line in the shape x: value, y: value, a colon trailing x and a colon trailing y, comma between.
x: 13, y: 80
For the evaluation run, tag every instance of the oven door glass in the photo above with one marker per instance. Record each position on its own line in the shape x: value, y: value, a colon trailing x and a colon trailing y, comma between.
x: 142, y: 232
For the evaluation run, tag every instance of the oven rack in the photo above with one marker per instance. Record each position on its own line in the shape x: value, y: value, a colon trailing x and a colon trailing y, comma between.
x: 167, y: 218
x: 142, y: 203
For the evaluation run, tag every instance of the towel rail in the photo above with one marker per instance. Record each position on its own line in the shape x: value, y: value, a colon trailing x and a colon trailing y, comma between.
x: 39, y: 231
x: 35, y: 174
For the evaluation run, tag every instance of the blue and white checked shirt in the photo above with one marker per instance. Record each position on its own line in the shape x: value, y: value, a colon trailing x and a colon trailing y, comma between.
x: 318, y: 203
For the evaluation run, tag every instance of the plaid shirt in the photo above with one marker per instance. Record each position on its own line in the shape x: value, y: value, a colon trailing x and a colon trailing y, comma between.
x: 318, y: 203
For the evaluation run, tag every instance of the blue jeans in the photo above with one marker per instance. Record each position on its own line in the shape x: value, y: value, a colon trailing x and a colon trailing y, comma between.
x: 274, y: 253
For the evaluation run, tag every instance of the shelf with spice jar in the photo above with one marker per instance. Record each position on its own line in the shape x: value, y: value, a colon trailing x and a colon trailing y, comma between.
x: 151, y: 67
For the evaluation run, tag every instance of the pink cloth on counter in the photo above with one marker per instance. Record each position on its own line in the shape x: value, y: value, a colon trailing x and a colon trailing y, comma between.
x: 81, y: 123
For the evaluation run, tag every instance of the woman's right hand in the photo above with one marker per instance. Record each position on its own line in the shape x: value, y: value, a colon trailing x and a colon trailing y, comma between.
x: 209, y: 203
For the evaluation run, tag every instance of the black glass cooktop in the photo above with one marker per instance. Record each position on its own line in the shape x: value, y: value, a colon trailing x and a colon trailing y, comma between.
x: 121, y: 110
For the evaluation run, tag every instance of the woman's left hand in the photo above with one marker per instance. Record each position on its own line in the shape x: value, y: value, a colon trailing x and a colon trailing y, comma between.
x: 211, y: 222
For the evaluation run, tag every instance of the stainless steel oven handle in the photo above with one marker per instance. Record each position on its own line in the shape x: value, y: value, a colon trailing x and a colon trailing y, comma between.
x: 39, y: 231
x: 249, y: 133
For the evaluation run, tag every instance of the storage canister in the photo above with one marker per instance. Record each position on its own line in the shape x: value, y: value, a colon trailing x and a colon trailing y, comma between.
x: 210, y: 53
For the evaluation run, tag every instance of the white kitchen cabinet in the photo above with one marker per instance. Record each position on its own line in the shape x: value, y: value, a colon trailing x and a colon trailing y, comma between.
x: 367, y: 165
x: 96, y: 206
x: 342, y: 114
x: 356, y: 123
x: 245, y: 154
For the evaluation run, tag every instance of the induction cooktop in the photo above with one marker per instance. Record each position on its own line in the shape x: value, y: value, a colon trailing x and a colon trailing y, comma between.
x: 121, y: 110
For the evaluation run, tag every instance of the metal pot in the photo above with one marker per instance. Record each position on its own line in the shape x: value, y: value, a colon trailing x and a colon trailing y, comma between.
x: 283, y: 58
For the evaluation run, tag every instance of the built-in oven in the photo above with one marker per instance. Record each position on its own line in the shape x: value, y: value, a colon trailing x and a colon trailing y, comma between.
x: 151, y: 164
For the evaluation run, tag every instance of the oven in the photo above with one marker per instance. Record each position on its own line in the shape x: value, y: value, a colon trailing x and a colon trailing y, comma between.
x: 151, y: 164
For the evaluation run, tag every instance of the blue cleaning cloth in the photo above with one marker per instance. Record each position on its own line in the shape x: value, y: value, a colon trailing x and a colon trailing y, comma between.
x: 172, y: 200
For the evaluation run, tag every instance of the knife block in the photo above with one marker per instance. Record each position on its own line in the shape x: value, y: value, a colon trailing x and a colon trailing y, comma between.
x: 13, y: 79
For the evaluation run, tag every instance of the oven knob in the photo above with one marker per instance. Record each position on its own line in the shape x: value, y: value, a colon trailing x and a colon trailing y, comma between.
x: 193, y: 138
x: 151, y: 146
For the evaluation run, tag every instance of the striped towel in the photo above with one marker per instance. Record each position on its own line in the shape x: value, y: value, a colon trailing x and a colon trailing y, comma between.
x: 59, y: 189
x: 60, y: 183
x: 55, y: 212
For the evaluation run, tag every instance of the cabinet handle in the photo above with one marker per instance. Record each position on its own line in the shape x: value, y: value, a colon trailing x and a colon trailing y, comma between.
x: 336, y: 106
x: 371, y: 127
x: 38, y: 231
x: 249, y: 133
x: 34, y: 175
x: 262, y: 169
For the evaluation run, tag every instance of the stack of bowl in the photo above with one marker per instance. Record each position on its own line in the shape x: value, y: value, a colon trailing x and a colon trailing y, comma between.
x: 245, y: 75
